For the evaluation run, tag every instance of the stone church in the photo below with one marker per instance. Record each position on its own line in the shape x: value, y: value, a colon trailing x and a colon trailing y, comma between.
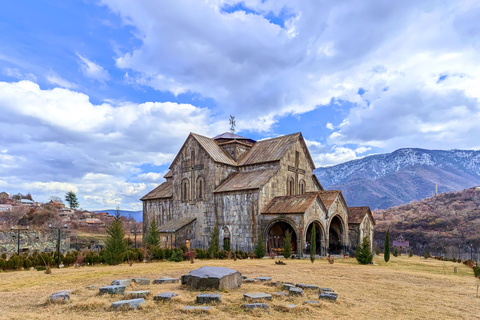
x: 250, y: 188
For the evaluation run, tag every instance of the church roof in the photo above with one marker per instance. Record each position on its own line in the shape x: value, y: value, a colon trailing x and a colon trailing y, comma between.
x: 246, y: 180
x: 290, y: 204
x: 356, y: 214
x: 328, y: 197
x: 175, y: 225
x: 229, y: 135
x: 214, y: 150
x: 269, y: 150
x: 169, y: 174
x: 165, y: 190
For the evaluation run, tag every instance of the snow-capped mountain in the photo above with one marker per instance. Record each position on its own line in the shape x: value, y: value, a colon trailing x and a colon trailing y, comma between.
x: 385, y: 180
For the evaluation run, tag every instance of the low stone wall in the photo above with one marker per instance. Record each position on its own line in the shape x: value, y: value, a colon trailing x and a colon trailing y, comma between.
x: 33, y: 240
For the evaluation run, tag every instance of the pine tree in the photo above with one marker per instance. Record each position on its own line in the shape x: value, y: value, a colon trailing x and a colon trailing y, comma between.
x: 214, y: 247
x: 364, y: 254
x: 71, y: 198
x: 153, y: 235
x: 313, y: 244
x: 386, y: 254
x: 287, y: 245
x: 116, y: 247
x: 260, y: 248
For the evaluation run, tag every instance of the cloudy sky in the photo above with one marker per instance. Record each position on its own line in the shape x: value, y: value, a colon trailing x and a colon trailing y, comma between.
x: 97, y: 96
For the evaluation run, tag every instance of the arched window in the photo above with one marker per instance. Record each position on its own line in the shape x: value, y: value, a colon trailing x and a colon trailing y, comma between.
x: 290, y: 187
x: 301, y: 187
x: 185, y: 190
x: 200, y: 188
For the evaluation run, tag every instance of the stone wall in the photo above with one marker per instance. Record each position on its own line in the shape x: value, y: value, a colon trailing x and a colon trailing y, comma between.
x: 34, y: 240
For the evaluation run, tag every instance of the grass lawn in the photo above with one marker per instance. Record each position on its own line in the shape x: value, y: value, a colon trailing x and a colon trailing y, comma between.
x: 405, y: 288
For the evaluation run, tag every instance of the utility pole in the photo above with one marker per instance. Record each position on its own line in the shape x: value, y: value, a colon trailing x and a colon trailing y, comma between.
x: 58, y: 242
x: 18, y: 237
x: 135, y: 232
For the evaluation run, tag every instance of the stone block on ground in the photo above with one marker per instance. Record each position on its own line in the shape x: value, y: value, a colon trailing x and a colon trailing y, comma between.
x: 122, y: 282
x: 291, y: 306
x: 137, y: 294
x: 244, y: 277
x: 141, y: 281
x: 255, y: 306
x: 165, y: 296
x: 287, y: 286
x: 196, y: 308
x: 295, y: 291
x: 59, y: 297
x: 166, y: 280
x: 213, y: 277
x: 249, y: 280
x: 263, y: 278
x: 208, y: 297
x: 316, y: 303
x: 128, y: 304
x: 325, y: 290
x: 328, y: 296
x: 279, y: 294
x: 307, y: 286
x: 257, y: 296
x: 117, y: 289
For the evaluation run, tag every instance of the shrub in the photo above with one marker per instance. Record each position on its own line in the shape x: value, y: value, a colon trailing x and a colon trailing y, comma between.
x: 469, y: 263
x: 158, y: 253
x: 27, y: 263
x: 260, y: 248
x: 476, y: 271
x: 214, y: 247
x: 377, y: 250
x: 410, y: 253
x: 427, y: 255
x: 313, y: 243
x: 40, y: 268
x: 190, y: 255
x: 167, y: 253
x: 223, y: 254
x: 386, y: 253
x: 287, y: 245
x: 395, y: 252
x: 177, y: 256
x: 116, y: 248
x: 363, y: 254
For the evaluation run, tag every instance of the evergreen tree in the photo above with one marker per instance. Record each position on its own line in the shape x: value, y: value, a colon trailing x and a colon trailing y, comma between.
x: 313, y: 244
x: 364, y: 254
x: 116, y: 247
x: 214, y: 247
x: 153, y: 235
x: 260, y: 248
x: 386, y: 253
x: 71, y: 198
x: 287, y: 245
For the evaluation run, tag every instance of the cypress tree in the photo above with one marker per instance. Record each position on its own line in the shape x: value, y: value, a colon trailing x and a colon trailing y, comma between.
x: 313, y: 244
x: 287, y: 245
x: 260, y: 248
x: 153, y: 235
x: 386, y: 254
x: 363, y: 253
x: 214, y: 247
x: 116, y: 247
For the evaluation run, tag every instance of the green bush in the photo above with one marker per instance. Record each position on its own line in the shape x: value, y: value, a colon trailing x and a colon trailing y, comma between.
x: 260, y: 248
x: 214, y: 247
x: 410, y: 253
x: 476, y: 271
x: 287, y: 245
x: 427, y: 255
x: 395, y: 252
x: 177, y: 255
x: 363, y: 253
x: 386, y: 253
x: 158, y: 254
x: 223, y: 254
x: 40, y: 268
x: 116, y: 248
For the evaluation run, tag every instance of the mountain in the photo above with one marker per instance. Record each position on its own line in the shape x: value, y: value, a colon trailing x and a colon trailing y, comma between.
x: 137, y: 215
x: 385, y: 180
x: 446, y: 221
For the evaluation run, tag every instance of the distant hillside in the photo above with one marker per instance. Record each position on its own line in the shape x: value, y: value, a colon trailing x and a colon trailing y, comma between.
x: 386, y: 180
x: 447, y: 220
x: 137, y: 215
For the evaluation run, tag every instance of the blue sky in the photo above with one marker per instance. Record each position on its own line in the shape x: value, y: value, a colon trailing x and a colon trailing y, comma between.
x: 98, y: 96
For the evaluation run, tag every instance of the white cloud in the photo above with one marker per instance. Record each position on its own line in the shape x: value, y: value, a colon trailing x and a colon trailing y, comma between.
x: 15, y: 73
x: 92, y: 70
x: 55, y: 79
x: 330, y: 126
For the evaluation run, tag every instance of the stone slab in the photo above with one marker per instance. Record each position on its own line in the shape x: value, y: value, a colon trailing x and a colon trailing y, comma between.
x: 141, y: 281
x: 213, y: 277
x: 122, y: 282
x: 291, y: 306
x: 307, y: 286
x: 128, y: 304
x: 196, y: 308
x: 279, y: 294
x: 166, y: 280
x: 287, y: 286
x: 117, y: 289
x: 59, y: 297
x: 257, y: 296
x: 328, y: 296
x: 165, y: 296
x: 324, y: 290
x: 255, y: 306
x: 263, y: 278
x: 295, y: 291
x: 208, y: 297
x: 137, y: 294
x: 249, y: 280
x: 312, y: 302
x: 244, y: 277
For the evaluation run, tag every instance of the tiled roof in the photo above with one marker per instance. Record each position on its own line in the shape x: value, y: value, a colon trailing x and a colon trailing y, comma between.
x: 165, y: 190
x: 290, y: 204
x: 175, y: 225
x: 229, y: 135
x: 214, y: 150
x: 246, y: 180
x: 269, y: 150
x: 169, y: 174
x: 356, y: 214
x: 328, y: 197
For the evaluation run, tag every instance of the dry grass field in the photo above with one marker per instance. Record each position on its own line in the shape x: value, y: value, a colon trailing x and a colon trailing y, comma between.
x: 405, y: 288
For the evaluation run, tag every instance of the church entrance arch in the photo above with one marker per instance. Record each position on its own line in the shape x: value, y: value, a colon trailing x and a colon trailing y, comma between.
x: 319, y: 238
x: 335, y: 236
x: 276, y: 236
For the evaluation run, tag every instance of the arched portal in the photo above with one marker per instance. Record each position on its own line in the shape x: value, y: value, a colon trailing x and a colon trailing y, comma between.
x: 276, y: 237
x: 319, y: 238
x: 335, y: 236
